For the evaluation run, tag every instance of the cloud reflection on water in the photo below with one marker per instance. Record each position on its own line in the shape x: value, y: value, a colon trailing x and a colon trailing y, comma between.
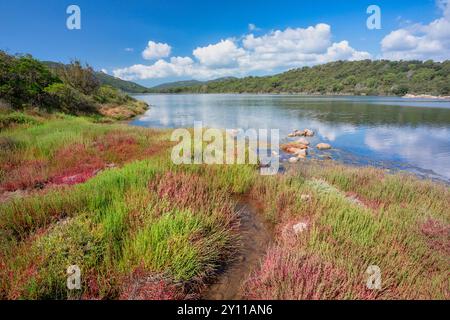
x: 413, y: 136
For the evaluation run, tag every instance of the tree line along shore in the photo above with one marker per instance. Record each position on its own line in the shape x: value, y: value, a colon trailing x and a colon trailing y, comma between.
x: 367, y: 77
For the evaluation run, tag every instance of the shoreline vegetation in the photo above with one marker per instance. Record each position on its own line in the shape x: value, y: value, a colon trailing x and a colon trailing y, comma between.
x: 77, y: 187
x: 30, y: 91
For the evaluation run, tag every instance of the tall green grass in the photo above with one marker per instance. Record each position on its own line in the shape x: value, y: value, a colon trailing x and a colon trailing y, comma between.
x: 111, y: 225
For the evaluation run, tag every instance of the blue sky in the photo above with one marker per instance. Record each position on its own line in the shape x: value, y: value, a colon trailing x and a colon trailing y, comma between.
x: 220, y: 31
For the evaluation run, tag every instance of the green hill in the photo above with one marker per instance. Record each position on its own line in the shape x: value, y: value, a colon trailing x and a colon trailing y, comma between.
x: 123, y: 85
x: 176, y: 84
x: 187, y: 83
x: 367, y: 77
x: 106, y: 79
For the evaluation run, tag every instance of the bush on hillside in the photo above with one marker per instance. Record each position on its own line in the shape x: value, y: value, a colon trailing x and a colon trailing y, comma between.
x: 23, y: 80
x: 79, y: 77
x: 70, y: 100
x: 108, y: 94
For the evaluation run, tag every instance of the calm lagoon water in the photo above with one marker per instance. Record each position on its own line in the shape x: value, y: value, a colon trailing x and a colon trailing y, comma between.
x: 388, y: 132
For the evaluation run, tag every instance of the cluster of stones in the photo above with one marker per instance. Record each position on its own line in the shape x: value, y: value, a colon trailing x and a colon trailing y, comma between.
x: 299, y: 148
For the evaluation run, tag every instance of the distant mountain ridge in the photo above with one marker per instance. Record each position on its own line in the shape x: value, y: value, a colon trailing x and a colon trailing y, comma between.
x: 176, y: 84
x: 187, y: 83
x: 106, y: 79
x: 366, y: 77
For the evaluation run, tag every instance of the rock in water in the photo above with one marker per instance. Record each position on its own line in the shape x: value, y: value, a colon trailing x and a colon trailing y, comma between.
x: 293, y: 160
x: 323, y: 146
x: 292, y: 147
x: 303, y: 141
x: 300, y: 133
x: 301, y: 153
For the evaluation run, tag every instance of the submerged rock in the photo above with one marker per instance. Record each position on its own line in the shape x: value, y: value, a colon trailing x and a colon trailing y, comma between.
x: 323, y: 146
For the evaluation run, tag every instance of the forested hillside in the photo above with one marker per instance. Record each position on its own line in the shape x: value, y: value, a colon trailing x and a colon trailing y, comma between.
x: 106, y: 79
x: 367, y: 77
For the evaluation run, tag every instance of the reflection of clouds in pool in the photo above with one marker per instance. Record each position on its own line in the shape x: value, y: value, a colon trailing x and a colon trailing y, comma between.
x: 332, y: 131
x: 422, y: 147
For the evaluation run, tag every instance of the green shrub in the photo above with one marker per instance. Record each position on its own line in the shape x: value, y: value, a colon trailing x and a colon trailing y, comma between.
x: 70, y: 100
x: 7, y: 120
x: 108, y: 94
x: 23, y: 79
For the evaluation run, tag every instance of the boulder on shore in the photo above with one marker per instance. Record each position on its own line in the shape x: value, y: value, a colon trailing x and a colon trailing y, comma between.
x: 323, y: 146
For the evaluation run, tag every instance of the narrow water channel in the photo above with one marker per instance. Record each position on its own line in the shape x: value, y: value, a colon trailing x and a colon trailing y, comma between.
x: 256, y: 237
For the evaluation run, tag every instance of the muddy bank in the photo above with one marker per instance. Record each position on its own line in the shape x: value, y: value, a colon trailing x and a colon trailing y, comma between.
x: 256, y: 236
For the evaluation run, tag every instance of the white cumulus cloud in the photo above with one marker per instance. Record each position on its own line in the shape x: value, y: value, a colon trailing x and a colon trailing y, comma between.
x: 156, y: 50
x: 421, y: 41
x: 222, y: 54
x: 277, y: 50
x: 310, y: 40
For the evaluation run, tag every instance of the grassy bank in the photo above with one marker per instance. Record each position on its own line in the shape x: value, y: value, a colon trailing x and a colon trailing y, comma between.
x: 107, y: 198
x: 67, y: 204
x: 353, y: 218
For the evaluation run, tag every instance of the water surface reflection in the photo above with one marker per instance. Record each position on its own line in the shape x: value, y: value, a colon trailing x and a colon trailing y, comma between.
x: 384, y: 131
